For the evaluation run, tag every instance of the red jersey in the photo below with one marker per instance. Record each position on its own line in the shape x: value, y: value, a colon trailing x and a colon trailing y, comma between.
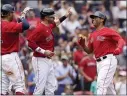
x: 33, y: 23
x: 42, y: 37
x: 104, y: 41
x: 78, y: 55
x: 89, y: 67
x: 10, y: 36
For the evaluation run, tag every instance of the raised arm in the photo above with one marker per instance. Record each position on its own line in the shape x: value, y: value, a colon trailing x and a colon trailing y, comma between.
x: 25, y: 24
x: 60, y: 20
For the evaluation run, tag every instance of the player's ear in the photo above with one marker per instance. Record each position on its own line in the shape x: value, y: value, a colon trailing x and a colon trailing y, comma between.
x: 102, y: 20
x: 46, y: 18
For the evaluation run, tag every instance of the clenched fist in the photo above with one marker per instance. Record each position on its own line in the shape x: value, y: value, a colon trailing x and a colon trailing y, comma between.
x: 69, y: 12
x: 81, y: 40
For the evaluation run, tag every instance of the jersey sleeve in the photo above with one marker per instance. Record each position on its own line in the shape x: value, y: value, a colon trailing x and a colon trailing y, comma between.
x: 14, y: 27
x: 53, y: 25
x: 33, y: 38
x: 116, y: 37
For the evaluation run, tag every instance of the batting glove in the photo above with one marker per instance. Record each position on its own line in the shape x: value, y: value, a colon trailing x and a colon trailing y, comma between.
x: 26, y: 10
x: 117, y: 51
x: 23, y: 14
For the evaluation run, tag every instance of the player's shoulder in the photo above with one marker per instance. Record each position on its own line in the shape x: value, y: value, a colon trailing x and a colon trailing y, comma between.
x: 9, y: 23
x: 14, y: 24
x: 39, y: 27
x: 109, y: 29
x: 36, y: 30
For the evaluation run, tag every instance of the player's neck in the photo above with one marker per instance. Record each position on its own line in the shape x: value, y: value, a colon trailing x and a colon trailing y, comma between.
x: 45, y: 23
x: 100, y: 27
x: 5, y: 19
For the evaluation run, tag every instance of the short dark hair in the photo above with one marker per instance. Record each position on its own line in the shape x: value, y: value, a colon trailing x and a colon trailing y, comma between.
x: 42, y: 17
x: 4, y: 13
x: 104, y: 21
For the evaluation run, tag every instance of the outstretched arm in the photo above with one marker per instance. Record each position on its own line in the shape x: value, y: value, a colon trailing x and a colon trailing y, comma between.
x: 25, y: 24
x: 60, y: 20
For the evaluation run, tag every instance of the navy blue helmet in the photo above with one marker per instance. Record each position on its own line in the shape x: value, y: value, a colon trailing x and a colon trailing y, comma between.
x: 7, y: 8
x: 47, y: 12
x: 98, y: 14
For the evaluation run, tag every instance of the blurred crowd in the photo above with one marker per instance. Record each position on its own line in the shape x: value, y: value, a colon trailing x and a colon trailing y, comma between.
x: 75, y: 70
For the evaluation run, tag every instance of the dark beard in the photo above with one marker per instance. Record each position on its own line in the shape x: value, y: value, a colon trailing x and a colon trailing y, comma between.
x: 51, y: 21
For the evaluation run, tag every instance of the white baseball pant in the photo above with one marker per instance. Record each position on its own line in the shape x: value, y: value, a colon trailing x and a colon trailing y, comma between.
x: 106, y: 70
x: 44, y: 76
x: 12, y: 72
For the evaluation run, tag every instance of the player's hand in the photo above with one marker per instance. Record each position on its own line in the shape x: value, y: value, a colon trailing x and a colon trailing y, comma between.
x: 23, y: 13
x: 89, y: 79
x: 69, y: 12
x: 48, y: 53
x: 81, y: 40
x: 117, y: 51
x: 27, y: 9
x: 57, y: 21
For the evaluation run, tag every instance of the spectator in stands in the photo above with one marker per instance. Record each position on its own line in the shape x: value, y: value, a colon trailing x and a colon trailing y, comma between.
x: 77, y: 31
x: 121, y: 85
x: 78, y: 54
x: 65, y: 75
x: 71, y: 21
x: 83, y: 17
x: 68, y: 90
x: 64, y: 6
x: 122, y: 12
x: 85, y: 31
x: 122, y: 59
x: 87, y: 68
x: 108, y: 15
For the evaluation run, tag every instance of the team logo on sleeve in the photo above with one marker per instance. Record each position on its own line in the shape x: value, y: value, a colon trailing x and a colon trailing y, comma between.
x: 100, y: 38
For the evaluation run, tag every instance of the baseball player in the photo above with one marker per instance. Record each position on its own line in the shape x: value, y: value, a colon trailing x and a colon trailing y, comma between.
x: 41, y: 41
x: 105, y: 43
x: 11, y: 67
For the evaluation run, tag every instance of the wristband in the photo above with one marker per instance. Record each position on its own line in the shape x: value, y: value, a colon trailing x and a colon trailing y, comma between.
x: 62, y: 18
x: 40, y: 50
